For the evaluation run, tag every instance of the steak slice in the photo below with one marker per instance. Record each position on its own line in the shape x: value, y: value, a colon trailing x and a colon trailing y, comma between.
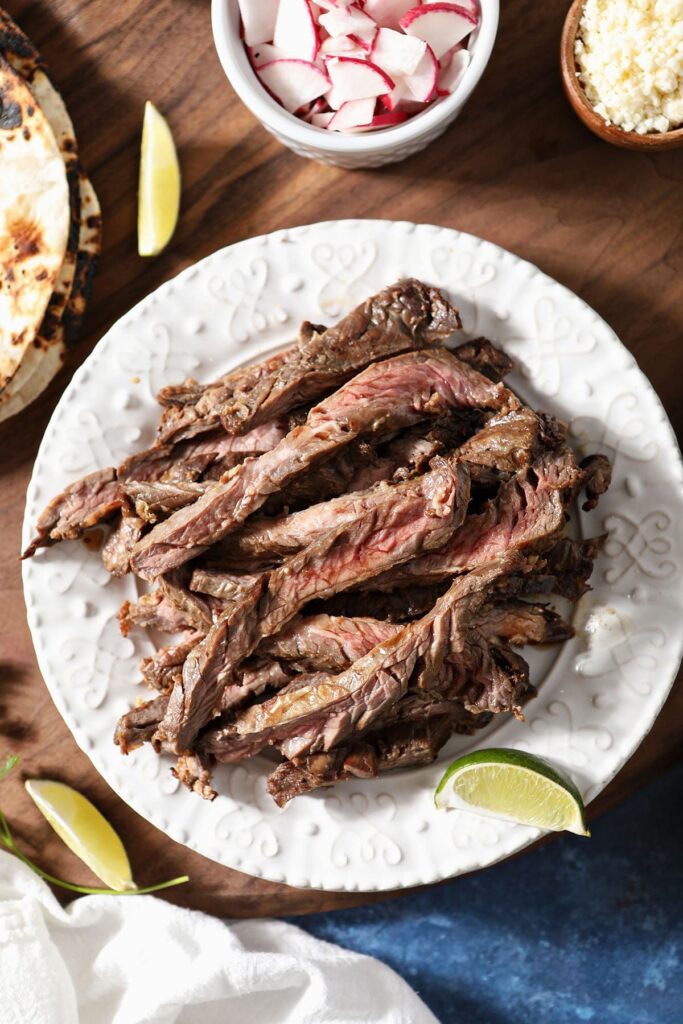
x: 387, y: 396
x: 529, y: 508
x: 188, y: 460
x: 161, y: 670
x: 152, y: 611
x: 403, y: 744
x: 598, y: 477
x: 322, y: 716
x: 330, y: 643
x: 492, y: 362
x: 138, y: 725
x: 512, y: 440
x: 119, y: 546
x: 404, y: 317
x: 79, y: 506
x: 155, y: 500
x: 415, y: 516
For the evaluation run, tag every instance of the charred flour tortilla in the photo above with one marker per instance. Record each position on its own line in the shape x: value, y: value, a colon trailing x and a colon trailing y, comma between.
x: 35, y: 218
x: 42, y: 362
x: 64, y: 314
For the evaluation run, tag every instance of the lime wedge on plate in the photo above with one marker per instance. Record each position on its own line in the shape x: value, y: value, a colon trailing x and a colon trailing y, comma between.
x: 84, y: 830
x: 159, y: 198
x: 515, y: 786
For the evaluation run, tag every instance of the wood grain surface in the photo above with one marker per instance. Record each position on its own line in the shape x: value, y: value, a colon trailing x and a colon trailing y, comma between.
x: 517, y: 168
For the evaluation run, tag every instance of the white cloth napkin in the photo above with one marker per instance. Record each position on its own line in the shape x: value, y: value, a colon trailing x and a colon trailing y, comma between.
x: 140, y: 960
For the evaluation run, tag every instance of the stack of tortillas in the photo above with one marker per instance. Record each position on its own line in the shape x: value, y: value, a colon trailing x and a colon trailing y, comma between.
x: 50, y: 225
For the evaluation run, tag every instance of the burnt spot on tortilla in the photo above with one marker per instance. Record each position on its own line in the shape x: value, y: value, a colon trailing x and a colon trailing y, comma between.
x: 17, y: 339
x: 9, y: 274
x: 10, y: 113
x: 26, y: 133
x: 41, y: 275
x: 26, y: 237
x: 30, y: 110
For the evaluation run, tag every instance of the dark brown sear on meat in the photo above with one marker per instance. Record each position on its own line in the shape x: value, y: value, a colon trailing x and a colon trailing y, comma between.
x: 349, y: 544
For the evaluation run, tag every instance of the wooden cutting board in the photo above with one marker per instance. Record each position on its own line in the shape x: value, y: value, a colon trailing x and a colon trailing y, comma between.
x: 516, y: 168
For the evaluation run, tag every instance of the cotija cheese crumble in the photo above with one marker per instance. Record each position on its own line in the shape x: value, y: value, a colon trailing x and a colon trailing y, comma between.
x: 629, y: 55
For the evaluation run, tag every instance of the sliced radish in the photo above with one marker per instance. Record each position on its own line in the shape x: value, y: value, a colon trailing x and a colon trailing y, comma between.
x: 294, y: 82
x: 451, y: 75
x: 322, y: 120
x: 296, y: 31
x: 352, y: 114
x: 331, y: 5
x: 348, y: 21
x: 396, y: 53
x: 341, y: 46
x: 388, y: 13
x: 382, y: 121
x: 264, y: 53
x: 422, y: 84
x: 364, y: 42
x: 470, y: 5
x: 258, y: 20
x: 354, y: 79
x: 397, y: 98
x: 441, y: 25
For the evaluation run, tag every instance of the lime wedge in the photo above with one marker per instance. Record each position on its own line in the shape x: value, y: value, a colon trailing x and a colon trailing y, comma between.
x: 159, y: 197
x: 84, y: 830
x: 515, y: 786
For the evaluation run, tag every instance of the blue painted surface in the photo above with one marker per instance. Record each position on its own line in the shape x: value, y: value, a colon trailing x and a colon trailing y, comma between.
x: 582, y: 930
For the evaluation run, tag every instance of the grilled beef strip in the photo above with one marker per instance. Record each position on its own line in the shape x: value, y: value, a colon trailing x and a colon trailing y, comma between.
x: 155, y: 500
x: 152, y: 611
x: 322, y: 716
x: 79, y: 506
x: 240, y: 380
x: 484, y: 357
x: 403, y: 744
x: 139, y: 724
x: 415, y: 516
x: 387, y: 396
x: 598, y: 477
x: 529, y: 508
x: 161, y: 669
x: 118, y: 548
x: 404, y: 317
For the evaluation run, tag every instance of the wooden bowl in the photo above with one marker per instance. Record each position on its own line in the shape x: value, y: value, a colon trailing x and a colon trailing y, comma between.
x: 610, y: 133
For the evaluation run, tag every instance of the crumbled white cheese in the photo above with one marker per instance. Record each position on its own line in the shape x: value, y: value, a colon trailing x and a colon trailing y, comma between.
x: 630, y: 59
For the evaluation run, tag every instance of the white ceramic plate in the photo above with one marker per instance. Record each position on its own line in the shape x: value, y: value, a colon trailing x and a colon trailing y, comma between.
x: 599, y: 694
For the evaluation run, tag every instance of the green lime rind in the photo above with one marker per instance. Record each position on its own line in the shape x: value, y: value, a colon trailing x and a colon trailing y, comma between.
x: 508, y: 774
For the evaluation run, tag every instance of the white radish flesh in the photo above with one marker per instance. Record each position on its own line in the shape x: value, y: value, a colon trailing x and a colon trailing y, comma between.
x: 294, y: 82
x: 450, y: 76
x: 296, y: 32
x: 397, y: 53
x: 354, y: 79
x: 258, y: 20
x: 352, y: 114
x: 388, y: 13
x: 422, y: 84
x: 441, y: 25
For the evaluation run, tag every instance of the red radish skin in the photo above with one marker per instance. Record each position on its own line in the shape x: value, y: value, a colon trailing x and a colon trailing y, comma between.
x: 388, y: 13
x: 441, y: 25
x: 296, y: 31
x: 354, y: 79
x: 422, y: 85
x: 294, y: 82
x: 382, y: 121
x: 470, y: 5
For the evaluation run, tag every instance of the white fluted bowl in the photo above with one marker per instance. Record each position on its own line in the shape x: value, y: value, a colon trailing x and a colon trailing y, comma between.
x: 370, y: 149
